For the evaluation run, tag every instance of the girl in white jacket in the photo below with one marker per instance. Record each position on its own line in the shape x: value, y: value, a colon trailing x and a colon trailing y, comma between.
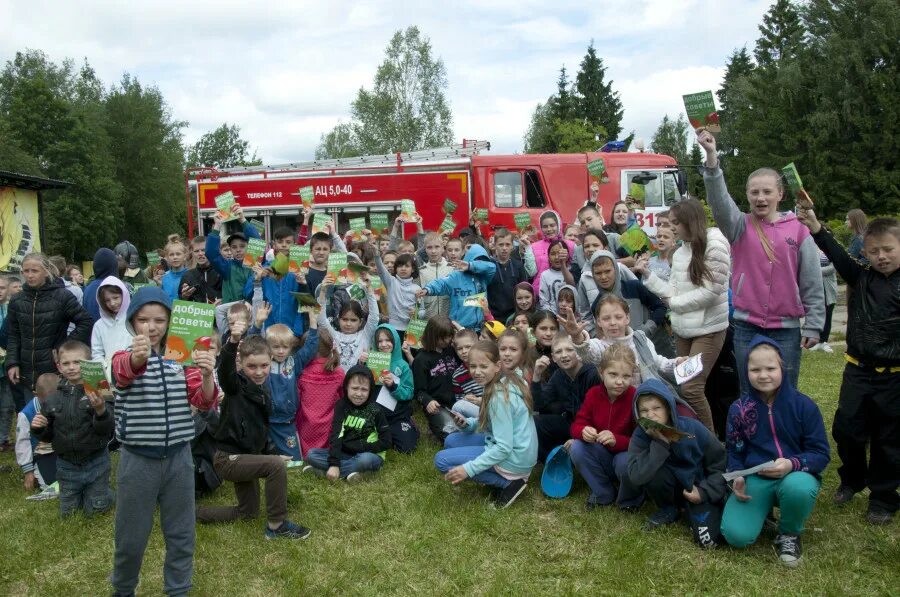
x: 110, y: 334
x: 697, y: 295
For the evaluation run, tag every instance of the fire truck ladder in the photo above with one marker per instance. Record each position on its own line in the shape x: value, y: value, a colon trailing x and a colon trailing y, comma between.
x: 468, y: 147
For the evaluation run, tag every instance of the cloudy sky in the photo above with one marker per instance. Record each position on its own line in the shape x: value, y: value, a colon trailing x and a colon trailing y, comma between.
x: 287, y: 71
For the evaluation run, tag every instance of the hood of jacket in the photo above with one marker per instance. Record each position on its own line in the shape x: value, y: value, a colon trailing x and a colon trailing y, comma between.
x: 145, y: 296
x: 105, y: 264
x: 113, y: 282
x: 785, y: 388
x: 50, y: 284
x: 396, y: 351
x: 563, y: 287
x: 617, y: 285
x: 559, y: 225
x: 360, y: 370
x: 476, y: 251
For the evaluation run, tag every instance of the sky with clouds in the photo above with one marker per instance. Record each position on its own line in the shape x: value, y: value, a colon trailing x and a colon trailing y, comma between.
x: 286, y: 72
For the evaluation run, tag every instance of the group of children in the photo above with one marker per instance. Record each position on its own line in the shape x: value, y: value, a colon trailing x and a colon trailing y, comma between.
x: 537, y: 344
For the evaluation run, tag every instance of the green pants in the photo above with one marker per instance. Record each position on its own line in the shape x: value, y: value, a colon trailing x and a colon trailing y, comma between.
x: 795, y: 494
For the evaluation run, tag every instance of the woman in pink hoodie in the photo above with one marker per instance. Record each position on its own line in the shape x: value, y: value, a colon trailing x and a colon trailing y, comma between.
x: 537, y: 258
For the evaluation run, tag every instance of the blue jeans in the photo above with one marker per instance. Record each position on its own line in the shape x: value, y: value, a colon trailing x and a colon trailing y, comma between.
x: 466, y: 409
x: 460, y: 448
x: 787, y: 338
x: 601, y: 469
x: 84, y: 486
x: 355, y: 463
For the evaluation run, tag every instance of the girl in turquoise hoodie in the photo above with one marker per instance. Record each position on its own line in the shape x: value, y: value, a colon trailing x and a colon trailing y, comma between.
x: 397, y: 405
x: 504, y: 454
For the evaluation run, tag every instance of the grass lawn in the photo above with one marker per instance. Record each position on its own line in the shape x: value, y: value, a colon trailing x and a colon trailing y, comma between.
x: 408, y: 532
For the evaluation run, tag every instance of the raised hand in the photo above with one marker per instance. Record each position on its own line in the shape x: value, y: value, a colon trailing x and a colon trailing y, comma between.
x: 808, y: 218
x: 572, y: 327
x: 237, y: 330
x: 97, y: 402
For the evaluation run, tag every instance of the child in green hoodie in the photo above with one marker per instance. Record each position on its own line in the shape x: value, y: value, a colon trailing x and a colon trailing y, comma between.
x: 395, y: 396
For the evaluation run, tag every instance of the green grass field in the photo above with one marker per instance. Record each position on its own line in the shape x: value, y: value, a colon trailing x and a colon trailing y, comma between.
x: 408, y: 532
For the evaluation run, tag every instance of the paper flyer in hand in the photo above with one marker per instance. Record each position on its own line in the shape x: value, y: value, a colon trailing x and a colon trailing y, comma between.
x: 701, y: 111
x: 260, y: 227
x: 414, y: 332
x: 449, y: 206
x: 449, y: 224
x: 378, y: 223
x: 668, y: 432
x: 357, y: 227
x: 356, y: 271
x: 93, y: 377
x: 637, y: 196
x: 480, y: 215
x: 153, y: 258
x: 224, y: 203
x: 796, y: 185
x: 731, y: 476
x: 522, y: 220
x: 407, y: 210
x: 256, y: 248
x: 357, y: 292
x: 307, y: 303
x: 597, y: 169
x: 378, y: 362
x: 319, y: 222
x: 190, y: 327
x: 635, y: 240
x: 475, y: 300
x: 689, y: 369
x: 298, y: 259
x: 377, y: 286
x: 307, y: 195
x: 337, y: 267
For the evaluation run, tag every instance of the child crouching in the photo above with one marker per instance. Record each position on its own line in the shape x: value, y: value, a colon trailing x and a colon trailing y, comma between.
x: 79, y: 426
x: 360, y: 434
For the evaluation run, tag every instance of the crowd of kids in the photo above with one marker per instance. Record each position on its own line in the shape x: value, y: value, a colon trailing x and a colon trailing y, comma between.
x: 518, y: 348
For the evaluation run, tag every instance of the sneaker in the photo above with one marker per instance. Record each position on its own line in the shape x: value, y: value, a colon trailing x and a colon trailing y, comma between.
x: 509, y: 493
x: 788, y: 547
x: 354, y: 478
x: 295, y: 464
x: 662, y: 517
x: 826, y: 347
x: 308, y: 468
x: 843, y: 495
x: 288, y: 530
x: 879, y: 517
x: 816, y: 348
x: 51, y: 493
x: 771, y: 523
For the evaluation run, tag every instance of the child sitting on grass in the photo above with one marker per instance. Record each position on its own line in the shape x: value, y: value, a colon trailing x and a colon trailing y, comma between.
x: 242, y: 436
x: 404, y: 434
x: 79, y: 425
x: 467, y: 391
x: 602, y: 431
x: 505, y: 451
x: 794, y: 438
x: 37, y: 459
x: 360, y: 434
x: 433, y: 369
x: 319, y: 388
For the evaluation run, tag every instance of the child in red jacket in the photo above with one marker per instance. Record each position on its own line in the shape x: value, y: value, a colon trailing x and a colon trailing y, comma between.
x: 602, y: 430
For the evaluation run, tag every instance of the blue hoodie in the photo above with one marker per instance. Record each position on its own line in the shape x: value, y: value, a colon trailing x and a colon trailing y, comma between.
x: 698, y: 460
x: 106, y: 264
x: 277, y: 292
x: 461, y: 285
x: 282, y: 384
x: 403, y: 391
x: 791, y: 427
x: 171, y: 282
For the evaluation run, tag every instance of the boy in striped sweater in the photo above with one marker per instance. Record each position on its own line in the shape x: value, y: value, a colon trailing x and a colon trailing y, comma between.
x: 468, y: 392
x: 155, y: 427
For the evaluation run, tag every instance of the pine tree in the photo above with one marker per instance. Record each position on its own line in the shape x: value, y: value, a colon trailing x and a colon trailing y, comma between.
x: 562, y: 103
x: 597, y: 102
x: 782, y: 35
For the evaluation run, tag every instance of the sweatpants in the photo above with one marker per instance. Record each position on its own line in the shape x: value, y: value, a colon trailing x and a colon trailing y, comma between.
x: 84, y: 486
x: 46, y: 465
x: 460, y: 448
x: 552, y: 431
x: 602, y: 471
x: 143, y: 484
x: 245, y: 470
x: 694, y: 390
x: 7, y: 408
x: 404, y: 435
x: 363, y: 462
x: 794, y: 494
x: 869, y: 412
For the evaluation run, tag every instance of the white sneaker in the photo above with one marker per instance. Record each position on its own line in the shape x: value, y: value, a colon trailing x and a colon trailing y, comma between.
x: 51, y: 493
x: 826, y: 347
x: 815, y: 348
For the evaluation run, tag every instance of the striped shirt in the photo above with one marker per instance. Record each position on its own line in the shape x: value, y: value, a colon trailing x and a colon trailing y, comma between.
x: 463, y: 384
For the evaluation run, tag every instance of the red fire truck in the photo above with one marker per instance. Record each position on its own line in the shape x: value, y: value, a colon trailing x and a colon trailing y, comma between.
x: 503, y: 184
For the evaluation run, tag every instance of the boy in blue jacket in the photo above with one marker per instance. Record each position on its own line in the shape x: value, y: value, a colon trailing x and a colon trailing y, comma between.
x: 473, y: 274
x: 773, y: 422
x: 278, y: 284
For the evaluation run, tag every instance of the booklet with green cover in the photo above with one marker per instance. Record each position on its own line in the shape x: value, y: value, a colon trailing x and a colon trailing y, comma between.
x: 667, y: 431
x: 93, y: 377
x: 307, y: 303
x: 307, y: 195
x: 378, y: 362
x: 377, y: 286
x: 480, y: 215
x: 378, y: 223
x: 414, y: 332
x: 256, y: 248
x: 408, y: 210
x: 153, y: 258
x: 190, y: 327
x: 522, y: 220
x: 337, y: 267
x: 224, y: 203
x: 260, y: 227
x: 701, y: 111
x: 449, y: 224
x: 320, y: 221
x: 449, y: 206
x: 357, y: 227
x: 298, y: 259
x: 597, y: 169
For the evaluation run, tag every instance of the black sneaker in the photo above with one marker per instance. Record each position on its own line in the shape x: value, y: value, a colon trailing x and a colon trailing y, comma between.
x: 288, y: 530
x: 509, y: 493
x: 662, y: 517
x: 843, y: 495
x: 788, y: 548
x: 879, y: 517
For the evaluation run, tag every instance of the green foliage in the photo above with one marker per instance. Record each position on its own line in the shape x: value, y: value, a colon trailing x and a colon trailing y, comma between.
x: 671, y: 138
x: 580, y: 116
x: 406, y: 531
x: 406, y: 109
x: 222, y: 148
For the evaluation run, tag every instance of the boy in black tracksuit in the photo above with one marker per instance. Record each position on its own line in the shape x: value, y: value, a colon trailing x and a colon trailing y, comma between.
x: 79, y: 427
x: 360, y: 433
x: 869, y: 404
x: 501, y: 291
x: 243, y: 449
